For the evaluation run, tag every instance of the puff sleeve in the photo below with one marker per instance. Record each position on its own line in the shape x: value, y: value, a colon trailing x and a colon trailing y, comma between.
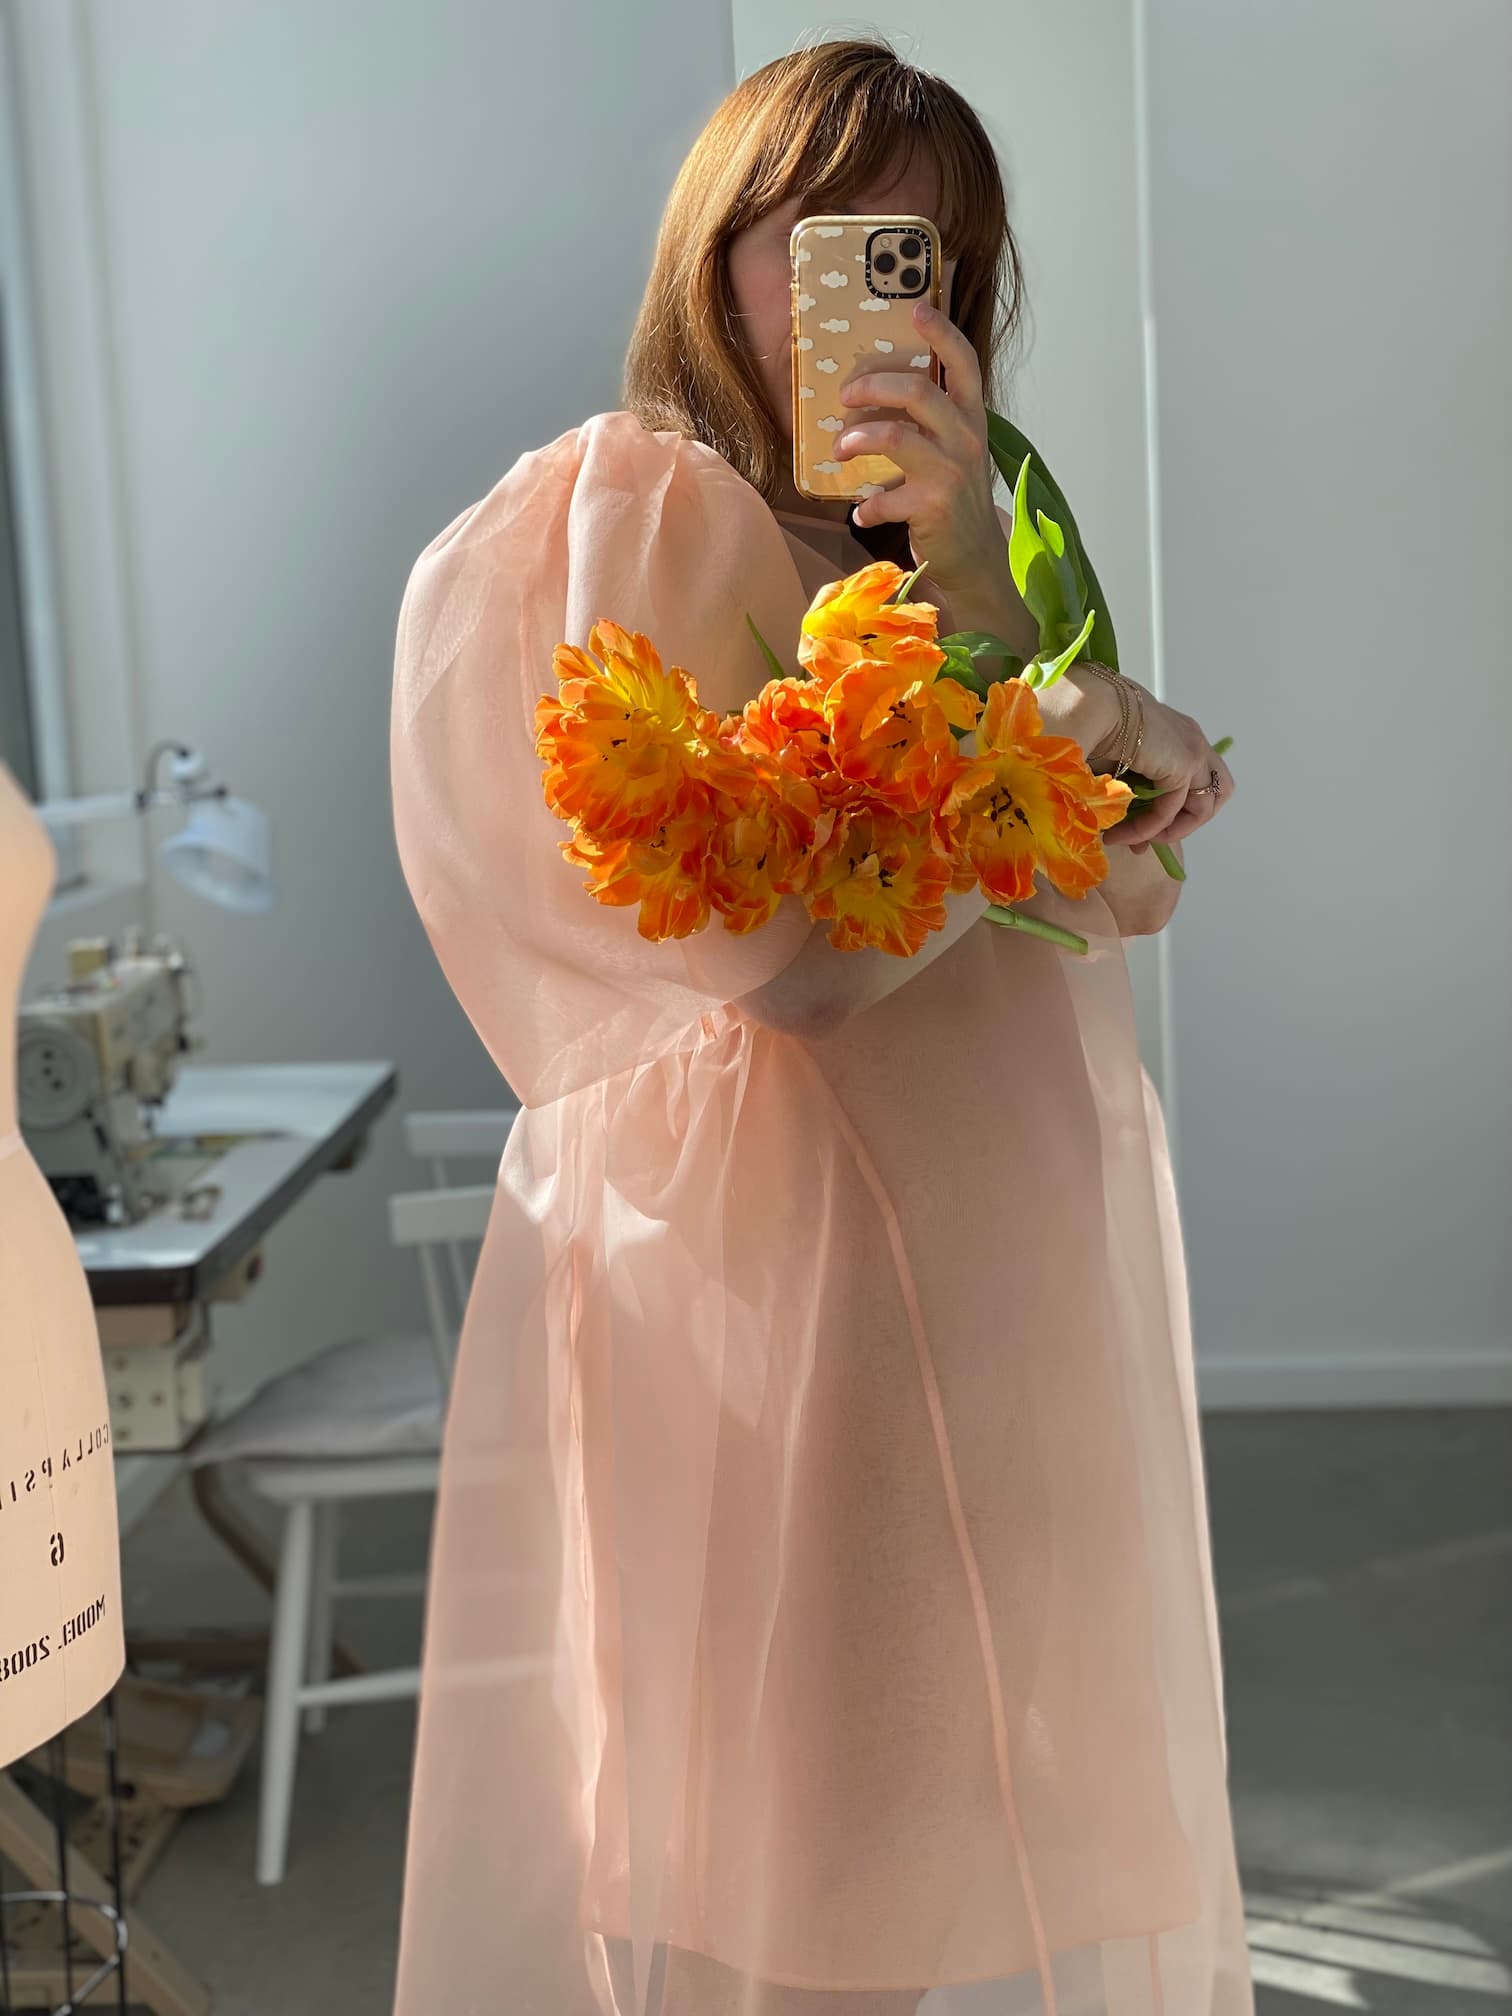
x: 611, y: 520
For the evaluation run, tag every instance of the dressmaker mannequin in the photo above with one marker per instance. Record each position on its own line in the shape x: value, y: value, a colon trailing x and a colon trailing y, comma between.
x: 61, y: 1642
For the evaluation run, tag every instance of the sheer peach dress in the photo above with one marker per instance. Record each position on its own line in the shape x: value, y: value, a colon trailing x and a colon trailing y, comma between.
x: 821, y: 1613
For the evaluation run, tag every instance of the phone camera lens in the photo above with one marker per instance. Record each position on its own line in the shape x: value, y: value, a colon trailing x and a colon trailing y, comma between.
x: 910, y: 248
x: 883, y: 262
x: 911, y: 279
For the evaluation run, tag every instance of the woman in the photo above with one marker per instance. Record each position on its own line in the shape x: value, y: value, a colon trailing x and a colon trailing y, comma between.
x: 821, y: 1612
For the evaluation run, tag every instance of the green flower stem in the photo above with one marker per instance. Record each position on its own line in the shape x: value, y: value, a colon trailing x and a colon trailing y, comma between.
x: 1168, y: 861
x: 1014, y: 920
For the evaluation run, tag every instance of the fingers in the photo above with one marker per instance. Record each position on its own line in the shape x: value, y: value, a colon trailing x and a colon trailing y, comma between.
x: 1192, y: 811
x: 1201, y: 804
x: 898, y: 505
x: 963, y: 372
x: 1152, y: 818
x: 914, y: 453
x: 930, y: 409
x: 1178, y: 812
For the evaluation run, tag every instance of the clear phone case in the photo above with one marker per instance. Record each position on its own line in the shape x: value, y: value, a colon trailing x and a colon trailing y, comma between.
x: 845, y: 322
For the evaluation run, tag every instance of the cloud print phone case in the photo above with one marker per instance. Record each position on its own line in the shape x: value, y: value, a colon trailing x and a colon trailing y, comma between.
x: 855, y: 282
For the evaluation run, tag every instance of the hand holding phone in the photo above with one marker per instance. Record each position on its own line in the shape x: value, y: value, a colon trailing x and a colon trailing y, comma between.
x: 855, y: 281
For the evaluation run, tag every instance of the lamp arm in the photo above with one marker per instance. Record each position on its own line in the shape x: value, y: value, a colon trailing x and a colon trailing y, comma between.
x: 85, y: 811
x: 118, y: 804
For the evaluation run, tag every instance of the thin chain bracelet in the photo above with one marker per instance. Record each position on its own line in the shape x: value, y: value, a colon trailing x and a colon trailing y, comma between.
x: 1128, y: 687
x: 1125, y: 688
x: 1107, y: 672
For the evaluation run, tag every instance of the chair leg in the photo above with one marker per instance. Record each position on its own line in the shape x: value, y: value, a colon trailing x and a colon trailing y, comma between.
x: 286, y: 1665
x: 322, y: 1603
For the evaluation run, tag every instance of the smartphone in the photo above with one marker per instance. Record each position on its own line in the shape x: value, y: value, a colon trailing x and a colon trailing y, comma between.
x: 855, y: 282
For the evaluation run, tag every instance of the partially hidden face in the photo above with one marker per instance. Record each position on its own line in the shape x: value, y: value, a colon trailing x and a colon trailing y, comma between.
x: 760, y: 274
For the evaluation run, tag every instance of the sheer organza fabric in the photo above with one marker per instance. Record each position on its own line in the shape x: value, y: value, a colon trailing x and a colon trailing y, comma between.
x: 820, y: 1619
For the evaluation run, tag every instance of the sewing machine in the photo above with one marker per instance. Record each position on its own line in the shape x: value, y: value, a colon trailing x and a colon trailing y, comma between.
x: 93, y: 1062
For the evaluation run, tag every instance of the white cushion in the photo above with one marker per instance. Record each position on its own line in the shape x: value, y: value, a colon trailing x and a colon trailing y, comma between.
x: 371, y: 1396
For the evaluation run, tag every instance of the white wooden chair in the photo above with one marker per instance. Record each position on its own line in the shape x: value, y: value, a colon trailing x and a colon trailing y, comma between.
x: 361, y: 1420
x: 442, y: 1139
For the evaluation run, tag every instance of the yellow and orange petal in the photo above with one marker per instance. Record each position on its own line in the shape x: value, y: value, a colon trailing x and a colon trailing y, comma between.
x: 626, y: 743
x: 1030, y: 802
x: 787, y: 721
x: 853, y: 619
x: 753, y: 864
x: 891, y: 726
x: 760, y: 844
x: 667, y: 875
x: 880, y: 881
x: 634, y: 670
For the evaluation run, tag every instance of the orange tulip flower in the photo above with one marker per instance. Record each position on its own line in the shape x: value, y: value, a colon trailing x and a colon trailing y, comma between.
x: 891, y: 721
x: 759, y: 854
x: 1029, y: 801
x: 881, y: 880
x: 852, y: 619
x: 665, y: 874
x: 787, y: 722
x: 627, y: 745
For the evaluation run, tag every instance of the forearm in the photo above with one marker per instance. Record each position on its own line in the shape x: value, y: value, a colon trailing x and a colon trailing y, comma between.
x: 1138, y: 890
x: 1000, y: 609
x: 822, y: 988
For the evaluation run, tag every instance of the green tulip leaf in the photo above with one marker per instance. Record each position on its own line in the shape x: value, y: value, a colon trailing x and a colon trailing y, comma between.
x: 773, y: 661
x: 1010, y: 449
x: 959, y: 667
x: 979, y: 644
x: 1044, y: 579
x: 1042, y: 671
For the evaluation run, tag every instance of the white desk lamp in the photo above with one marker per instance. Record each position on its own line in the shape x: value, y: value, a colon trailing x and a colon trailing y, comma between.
x: 222, y: 852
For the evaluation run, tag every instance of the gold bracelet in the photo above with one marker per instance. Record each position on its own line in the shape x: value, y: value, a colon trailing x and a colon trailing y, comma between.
x: 1124, y: 712
x: 1124, y: 687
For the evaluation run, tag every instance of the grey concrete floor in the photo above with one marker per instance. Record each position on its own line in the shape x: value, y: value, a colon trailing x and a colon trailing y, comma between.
x: 1364, y: 1569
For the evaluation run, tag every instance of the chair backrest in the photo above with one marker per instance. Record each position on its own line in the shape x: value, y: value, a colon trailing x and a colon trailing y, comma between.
x: 429, y: 1220
x: 442, y: 1138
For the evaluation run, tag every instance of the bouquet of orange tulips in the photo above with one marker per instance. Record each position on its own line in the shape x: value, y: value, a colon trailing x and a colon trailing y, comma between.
x: 849, y: 784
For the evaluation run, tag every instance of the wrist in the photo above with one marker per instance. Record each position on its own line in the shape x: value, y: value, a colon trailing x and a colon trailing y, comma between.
x: 1084, y: 707
x: 989, y: 601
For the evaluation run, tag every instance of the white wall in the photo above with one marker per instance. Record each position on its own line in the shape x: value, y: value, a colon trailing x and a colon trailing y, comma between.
x: 325, y: 265
x: 1054, y: 86
x: 1332, y: 202
x: 309, y: 359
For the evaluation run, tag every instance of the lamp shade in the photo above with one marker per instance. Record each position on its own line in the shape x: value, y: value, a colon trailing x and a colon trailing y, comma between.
x: 223, y: 853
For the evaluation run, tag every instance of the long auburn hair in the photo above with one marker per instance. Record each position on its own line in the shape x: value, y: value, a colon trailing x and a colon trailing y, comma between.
x: 820, y: 124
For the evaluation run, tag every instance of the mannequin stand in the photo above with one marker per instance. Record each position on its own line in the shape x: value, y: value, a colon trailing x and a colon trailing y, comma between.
x: 69, y: 1937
